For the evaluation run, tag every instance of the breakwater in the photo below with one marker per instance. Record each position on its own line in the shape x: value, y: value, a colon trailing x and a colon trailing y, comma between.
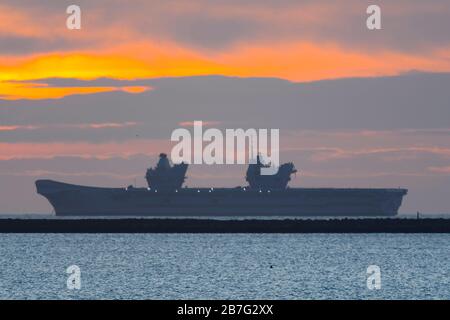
x: 158, y: 225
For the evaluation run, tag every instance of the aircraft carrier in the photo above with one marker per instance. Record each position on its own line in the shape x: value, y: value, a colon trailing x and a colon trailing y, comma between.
x: 265, y: 195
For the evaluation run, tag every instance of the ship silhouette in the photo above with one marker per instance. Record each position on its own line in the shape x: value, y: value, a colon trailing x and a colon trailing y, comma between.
x: 265, y: 195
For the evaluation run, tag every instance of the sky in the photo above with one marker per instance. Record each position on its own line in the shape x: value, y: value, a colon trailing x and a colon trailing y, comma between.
x: 355, y: 107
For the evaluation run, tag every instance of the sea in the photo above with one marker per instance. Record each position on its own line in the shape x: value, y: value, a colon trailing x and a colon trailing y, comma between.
x: 225, y: 266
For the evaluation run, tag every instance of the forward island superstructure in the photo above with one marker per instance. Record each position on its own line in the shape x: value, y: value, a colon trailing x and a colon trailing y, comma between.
x: 265, y: 195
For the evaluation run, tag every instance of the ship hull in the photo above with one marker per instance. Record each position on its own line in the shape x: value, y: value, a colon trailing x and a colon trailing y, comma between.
x: 74, y: 200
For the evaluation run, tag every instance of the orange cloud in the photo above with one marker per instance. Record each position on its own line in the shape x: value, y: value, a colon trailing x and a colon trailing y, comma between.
x: 204, y: 123
x: 14, y: 91
x: 77, y: 126
x: 116, y: 50
x: 135, y: 89
x: 17, y: 22
x: 332, y: 153
x: 105, y: 125
x: 309, y: 62
x: 440, y: 170
x: 36, y: 91
x: 74, y: 66
x: 14, y: 128
x: 292, y: 61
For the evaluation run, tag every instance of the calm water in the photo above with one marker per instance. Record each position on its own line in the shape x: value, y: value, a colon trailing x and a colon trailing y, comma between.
x: 214, y: 266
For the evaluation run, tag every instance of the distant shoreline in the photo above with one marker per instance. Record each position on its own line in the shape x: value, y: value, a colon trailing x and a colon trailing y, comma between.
x: 185, y: 225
